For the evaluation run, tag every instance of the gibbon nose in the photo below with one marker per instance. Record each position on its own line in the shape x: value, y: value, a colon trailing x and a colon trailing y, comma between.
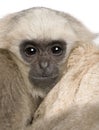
x: 44, y: 64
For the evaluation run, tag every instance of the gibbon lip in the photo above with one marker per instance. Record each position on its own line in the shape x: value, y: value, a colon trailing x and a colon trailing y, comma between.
x: 44, y: 77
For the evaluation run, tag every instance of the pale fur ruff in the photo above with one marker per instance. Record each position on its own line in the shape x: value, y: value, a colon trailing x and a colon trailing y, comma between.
x: 74, y: 103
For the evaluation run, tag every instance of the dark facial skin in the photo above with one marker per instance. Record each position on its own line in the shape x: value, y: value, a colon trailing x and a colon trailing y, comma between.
x: 44, y: 59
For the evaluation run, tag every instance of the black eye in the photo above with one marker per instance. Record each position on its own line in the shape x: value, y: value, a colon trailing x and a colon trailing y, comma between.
x: 30, y: 50
x: 57, y: 50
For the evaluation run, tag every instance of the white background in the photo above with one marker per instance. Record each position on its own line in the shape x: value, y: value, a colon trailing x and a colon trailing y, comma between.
x: 86, y: 11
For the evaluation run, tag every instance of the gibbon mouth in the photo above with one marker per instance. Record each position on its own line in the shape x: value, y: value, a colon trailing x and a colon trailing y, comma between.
x: 45, y: 77
x: 44, y: 81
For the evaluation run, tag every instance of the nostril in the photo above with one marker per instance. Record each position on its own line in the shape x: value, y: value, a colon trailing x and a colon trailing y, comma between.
x: 43, y: 65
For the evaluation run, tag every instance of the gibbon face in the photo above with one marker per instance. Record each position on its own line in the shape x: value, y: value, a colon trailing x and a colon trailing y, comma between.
x: 44, y: 60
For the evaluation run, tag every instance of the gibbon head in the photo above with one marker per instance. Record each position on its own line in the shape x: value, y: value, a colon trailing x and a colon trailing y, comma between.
x: 40, y: 41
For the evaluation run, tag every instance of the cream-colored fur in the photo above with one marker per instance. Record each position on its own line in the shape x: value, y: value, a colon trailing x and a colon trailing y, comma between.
x: 45, y: 24
x: 73, y: 104
x: 40, y: 24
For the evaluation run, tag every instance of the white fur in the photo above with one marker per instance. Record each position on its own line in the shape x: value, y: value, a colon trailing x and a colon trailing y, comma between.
x: 73, y: 104
x: 96, y: 40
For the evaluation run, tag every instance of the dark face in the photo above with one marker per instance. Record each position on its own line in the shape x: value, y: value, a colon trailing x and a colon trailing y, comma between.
x: 44, y: 59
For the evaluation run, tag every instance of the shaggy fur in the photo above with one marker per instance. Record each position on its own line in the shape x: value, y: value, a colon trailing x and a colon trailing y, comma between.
x: 73, y: 104
x: 18, y: 97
